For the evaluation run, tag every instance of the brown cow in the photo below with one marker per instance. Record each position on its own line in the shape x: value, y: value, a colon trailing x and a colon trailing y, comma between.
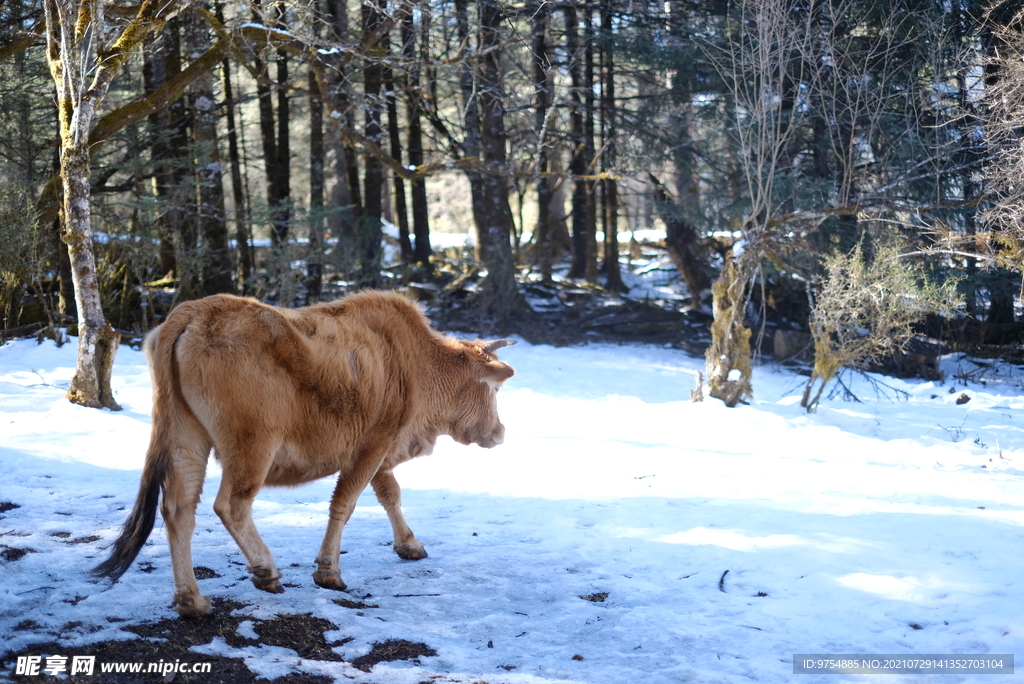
x: 286, y: 396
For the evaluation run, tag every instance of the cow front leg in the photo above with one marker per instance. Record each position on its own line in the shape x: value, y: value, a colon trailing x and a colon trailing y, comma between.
x: 234, y: 500
x: 350, y: 485
x: 328, y: 574
x: 389, y: 494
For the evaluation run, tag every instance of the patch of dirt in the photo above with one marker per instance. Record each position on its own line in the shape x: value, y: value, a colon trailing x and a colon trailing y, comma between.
x: 203, y: 572
x: 169, y: 641
x: 394, y: 649
x: 222, y: 670
x: 200, y: 630
x: 85, y: 540
x: 8, y: 506
x: 596, y: 598
x: 355, y: 605
x: 11, y: 554
x: 304, y: 634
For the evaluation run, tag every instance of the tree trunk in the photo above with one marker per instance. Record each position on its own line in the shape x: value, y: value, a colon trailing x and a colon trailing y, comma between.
x: 274, y: 133
x: 245, y: 263
x: 97, y: 341
x: 75, y: 39
x: 314, y: 257
x: 170, y: 149
x: 401, y: 215
x: 500, y: 298
x: 373, y: 179
x: 578, y: 163
x: 611, y: 189
x: 682, y: 242
x: 215, y: 257
x: 728, y: 357
x: 542, y: 238
x: 414, y: 98
x: 282, y: 165
x: 346, y: 196
x: 590, y: 149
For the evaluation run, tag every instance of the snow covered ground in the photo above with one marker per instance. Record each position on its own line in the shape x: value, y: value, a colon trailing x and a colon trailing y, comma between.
x: 892, y: 526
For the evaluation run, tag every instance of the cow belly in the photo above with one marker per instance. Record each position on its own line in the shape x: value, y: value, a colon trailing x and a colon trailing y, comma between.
x: 290, y: 468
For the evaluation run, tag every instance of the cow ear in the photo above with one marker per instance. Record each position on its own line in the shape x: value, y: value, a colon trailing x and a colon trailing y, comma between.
x: 499, y: 372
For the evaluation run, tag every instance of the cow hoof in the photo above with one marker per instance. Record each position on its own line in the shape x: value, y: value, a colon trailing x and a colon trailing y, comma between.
x: 271, y: 586
x: 329, y: 580
x: 413, y: 551
x: 191, y: 606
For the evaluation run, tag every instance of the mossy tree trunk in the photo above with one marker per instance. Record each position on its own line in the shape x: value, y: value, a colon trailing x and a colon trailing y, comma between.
x: 728, y: 358
x: 83, y: 63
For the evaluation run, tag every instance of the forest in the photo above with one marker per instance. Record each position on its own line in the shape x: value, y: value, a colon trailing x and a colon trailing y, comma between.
x: 835, y: 178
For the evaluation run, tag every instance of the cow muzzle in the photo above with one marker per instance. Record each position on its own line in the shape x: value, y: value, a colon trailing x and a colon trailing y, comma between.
x: 496, y: 437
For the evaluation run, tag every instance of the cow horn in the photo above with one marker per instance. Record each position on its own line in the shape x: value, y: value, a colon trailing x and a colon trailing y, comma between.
x: 495, y: 345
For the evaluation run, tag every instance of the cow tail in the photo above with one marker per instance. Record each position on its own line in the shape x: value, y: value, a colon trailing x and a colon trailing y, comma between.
x: 160, y: 353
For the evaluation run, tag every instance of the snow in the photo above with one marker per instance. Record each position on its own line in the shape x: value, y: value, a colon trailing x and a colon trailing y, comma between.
x: 888, y: 526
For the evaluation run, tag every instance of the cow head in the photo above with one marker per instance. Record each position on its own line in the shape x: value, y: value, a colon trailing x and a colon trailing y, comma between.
x: 475, y: 416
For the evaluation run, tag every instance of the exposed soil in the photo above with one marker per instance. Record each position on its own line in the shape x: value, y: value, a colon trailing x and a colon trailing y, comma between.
x: 596, y: 598
x: 203, y: 572
x: 395, y: 649
x: 11, y: 554
x: 169, y: 640
x: 304, y: 634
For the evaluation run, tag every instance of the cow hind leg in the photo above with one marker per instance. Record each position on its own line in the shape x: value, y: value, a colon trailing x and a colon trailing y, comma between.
x: 389, y: 494
x: 238, y: 488
x: 183, y: 486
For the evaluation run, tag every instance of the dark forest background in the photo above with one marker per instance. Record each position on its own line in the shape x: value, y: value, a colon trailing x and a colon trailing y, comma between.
x: 832, y: 176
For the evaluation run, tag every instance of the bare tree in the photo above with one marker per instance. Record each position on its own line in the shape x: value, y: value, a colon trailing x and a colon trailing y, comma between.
x: 84, y: 58
x: 757, y: 65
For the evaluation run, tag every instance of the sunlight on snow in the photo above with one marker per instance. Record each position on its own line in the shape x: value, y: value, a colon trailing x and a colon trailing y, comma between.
x: 737, y: 541
x: 732, y: 539
x: 912, y: 589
